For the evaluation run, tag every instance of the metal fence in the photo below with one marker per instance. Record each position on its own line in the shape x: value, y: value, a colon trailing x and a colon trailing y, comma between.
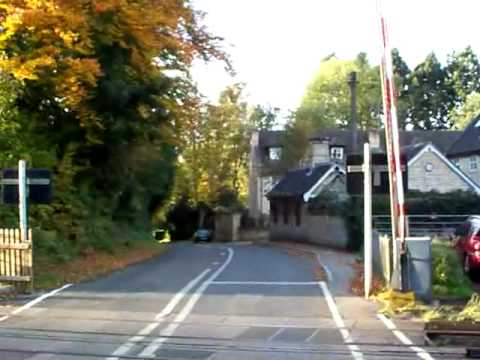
x: 421, y: 225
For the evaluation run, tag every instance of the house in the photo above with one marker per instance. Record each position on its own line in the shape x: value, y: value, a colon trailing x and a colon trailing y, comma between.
x: 430, y: 165
x: 293, y: 209
x: 430, y: 170
x: 465, y: 151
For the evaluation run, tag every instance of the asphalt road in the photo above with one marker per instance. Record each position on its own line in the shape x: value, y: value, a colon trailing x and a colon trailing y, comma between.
x: 208, y: 302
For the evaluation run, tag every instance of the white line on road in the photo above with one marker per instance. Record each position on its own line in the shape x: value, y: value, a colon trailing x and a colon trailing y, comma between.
x: 147, y: 330
x: 150, y: 350
x: 35, y: 301
x: 421, y: 353
x: 327, y: 270
x: 278, y: 332
x: 275, y: 283
x: 312, y: 336
x: 354, y: 349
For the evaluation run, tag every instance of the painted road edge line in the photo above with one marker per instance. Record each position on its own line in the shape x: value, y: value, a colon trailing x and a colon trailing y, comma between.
x: 150, y: 350
x: 390, y: 325
x: 337, y: 318
x: 35, y: 302
x: 274, y: 283
x: 325, y: 267
x: 147, y: 330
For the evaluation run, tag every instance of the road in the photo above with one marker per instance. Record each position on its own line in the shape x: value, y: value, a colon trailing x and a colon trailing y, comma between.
x: 209, y: 301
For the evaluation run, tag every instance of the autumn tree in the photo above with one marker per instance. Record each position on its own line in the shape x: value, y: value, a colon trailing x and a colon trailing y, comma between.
x: 215, y: 144
x: 101, y: 87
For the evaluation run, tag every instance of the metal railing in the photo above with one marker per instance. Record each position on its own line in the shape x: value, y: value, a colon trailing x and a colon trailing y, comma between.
x: 420, y: 225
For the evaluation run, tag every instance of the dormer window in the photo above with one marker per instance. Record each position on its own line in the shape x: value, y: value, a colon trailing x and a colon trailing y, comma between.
x: 275, y: 153
x: 336, y: 153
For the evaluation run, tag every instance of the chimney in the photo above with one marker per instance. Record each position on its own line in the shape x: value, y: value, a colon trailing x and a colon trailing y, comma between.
x: 320, y: 151
x: 374, y: 139
x: 352, y: 82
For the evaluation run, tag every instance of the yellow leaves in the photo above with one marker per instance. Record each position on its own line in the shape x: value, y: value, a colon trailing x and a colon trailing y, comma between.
x: 26, y: 70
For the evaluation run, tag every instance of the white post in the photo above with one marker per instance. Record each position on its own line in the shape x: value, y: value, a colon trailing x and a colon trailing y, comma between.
x: 367, y: 183
x: 22, y: 199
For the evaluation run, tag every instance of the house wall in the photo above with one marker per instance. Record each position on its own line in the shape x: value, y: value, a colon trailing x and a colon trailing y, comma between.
x: 323, y: 230
x: 464, y: 164
x: 441, y: 178
x: 320, y: 151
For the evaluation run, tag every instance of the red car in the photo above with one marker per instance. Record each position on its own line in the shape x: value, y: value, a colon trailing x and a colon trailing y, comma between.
x: 467, y: 242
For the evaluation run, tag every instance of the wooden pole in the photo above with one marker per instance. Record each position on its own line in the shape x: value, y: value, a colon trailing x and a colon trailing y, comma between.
x: 367, y: 207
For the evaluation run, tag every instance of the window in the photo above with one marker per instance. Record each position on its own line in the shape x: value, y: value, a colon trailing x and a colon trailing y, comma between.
x: 429, y: 167
x: 456, y: 162
x: 336, y: 153
x: 473, y: 163
x: 275, y: 153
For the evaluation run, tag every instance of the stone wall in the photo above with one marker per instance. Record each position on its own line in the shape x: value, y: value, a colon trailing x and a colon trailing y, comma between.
x: 464, y: 164
x: 330, y: 231
x: 441, y: 177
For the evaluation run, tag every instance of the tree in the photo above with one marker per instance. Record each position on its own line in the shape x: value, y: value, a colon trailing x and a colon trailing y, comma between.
x: 470, y: 109
x: 463, y: 74
x: 264, y: 117
x: 326, y: 102
x: 103, y: 85
x: 431, y: 98
x: 402, y: 75
x: 215, y: 145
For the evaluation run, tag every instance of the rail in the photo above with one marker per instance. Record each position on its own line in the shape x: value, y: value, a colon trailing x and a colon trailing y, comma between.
x: 420, y: 225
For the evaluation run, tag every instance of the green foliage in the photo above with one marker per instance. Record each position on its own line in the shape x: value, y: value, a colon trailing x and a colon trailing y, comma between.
x: 448, y: 278
x: 419, y: 203
x: 464, y: 113
x: 326, y: 102
x: 88, y: 91
x: 263, y: 117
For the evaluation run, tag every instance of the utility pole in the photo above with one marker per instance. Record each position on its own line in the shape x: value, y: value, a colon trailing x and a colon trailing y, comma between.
x: 352, y: 82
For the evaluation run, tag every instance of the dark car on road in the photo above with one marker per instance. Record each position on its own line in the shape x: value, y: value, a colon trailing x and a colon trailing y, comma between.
x: 467, y: 242
x: 203, y: 235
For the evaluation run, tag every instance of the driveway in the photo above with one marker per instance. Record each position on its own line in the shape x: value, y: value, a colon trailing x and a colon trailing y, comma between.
x: 212, y: 301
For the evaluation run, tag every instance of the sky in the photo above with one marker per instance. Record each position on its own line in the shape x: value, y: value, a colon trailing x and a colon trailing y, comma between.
x: 277, y: 45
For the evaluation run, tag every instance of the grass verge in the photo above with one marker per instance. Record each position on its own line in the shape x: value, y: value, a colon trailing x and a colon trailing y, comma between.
x: 448, y: 279
x: 89, y: 264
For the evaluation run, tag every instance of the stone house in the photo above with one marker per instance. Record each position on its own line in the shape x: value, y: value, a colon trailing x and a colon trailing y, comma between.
x: 293, y: 204
x: 465, y: 152
x: 430, y: 170
x: 430, y: 167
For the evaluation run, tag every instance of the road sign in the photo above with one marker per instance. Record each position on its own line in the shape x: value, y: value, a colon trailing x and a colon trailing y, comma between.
x: 380, y: 179
x: 39, y: 186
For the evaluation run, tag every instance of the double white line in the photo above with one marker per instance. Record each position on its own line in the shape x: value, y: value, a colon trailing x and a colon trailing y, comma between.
x: 150, y: 350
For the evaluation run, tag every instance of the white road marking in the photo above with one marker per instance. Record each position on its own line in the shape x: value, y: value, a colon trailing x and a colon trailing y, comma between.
x: 150, y: 350
x: 223, y: 254
x: 275, y: 283
x: 35, y: 301
x: 337, y: 318
x: 311, y: 336
x: 215, y: 263
x: 147, y: 330
x: 421, y: 353
x: 278, y: 332
x: 327, y: 270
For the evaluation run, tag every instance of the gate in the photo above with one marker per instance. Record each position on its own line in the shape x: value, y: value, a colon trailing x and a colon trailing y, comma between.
x: 16, y: 257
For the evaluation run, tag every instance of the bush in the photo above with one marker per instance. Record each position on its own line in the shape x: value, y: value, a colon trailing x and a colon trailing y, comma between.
x: 448, y: 278
x: 418, y: 203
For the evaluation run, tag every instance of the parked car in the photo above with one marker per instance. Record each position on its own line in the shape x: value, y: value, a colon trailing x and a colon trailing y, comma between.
x: 203, y: 235
x: 467, y: 242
